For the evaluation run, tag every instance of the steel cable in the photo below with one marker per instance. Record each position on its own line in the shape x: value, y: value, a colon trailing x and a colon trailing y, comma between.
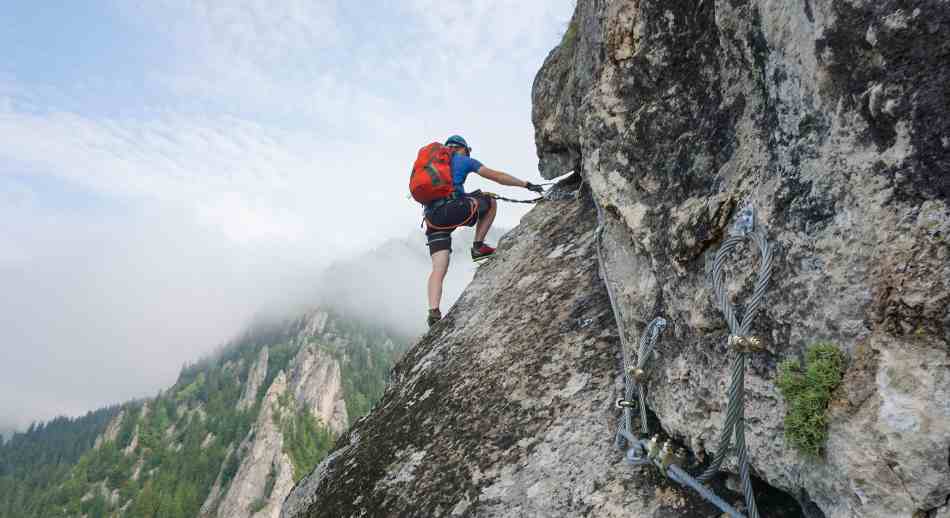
x: 646, y: 346
x: 624, y: 430
x: 734, y: 424
x: 549, y: 195
x: 647, y: 343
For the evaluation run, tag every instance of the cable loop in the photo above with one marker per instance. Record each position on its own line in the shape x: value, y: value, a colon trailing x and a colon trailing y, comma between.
x: 669, y: 461
x: 744, y: 344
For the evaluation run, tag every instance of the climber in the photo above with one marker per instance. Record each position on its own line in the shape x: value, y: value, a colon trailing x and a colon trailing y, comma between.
x: 459, y: 208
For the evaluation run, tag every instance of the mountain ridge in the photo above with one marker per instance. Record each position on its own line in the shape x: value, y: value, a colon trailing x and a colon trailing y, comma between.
x: 195, y: 431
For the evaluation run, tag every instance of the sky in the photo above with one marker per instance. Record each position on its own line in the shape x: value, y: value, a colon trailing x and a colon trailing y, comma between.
x: 169, y: 169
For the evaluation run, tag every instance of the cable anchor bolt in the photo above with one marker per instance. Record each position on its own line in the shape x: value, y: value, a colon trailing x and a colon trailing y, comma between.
x: 746, y: 344
x: 636, y: 453
x: 745, y: 221
x: 625, y: 403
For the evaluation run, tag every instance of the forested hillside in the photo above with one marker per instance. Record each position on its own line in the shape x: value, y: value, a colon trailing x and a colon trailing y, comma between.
x: 162, y: 457
x: 45, y: 453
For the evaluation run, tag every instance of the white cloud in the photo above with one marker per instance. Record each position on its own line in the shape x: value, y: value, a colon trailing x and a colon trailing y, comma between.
x: 250, y: 180
x: 275, y: 136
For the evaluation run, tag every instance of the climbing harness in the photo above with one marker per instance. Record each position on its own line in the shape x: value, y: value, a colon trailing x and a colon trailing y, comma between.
x: 473, y: 208
x: 641, y: 451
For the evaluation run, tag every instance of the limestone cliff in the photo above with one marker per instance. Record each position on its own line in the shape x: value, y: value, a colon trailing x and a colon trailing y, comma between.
x: 315, y: 383
x: 111, y: 431
x: 254, y: 381
x: 830, y: 117
x: 266, y: 473
x: 312, y: 383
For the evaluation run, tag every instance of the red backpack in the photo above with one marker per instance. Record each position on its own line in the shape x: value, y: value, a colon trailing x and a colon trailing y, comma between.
x: 431, y: 177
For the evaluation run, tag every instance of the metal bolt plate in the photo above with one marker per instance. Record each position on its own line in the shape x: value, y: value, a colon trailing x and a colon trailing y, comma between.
x: 745, y: 221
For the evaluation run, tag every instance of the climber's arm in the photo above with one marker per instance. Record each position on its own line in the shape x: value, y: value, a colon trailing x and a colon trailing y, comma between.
x: 500, y: 177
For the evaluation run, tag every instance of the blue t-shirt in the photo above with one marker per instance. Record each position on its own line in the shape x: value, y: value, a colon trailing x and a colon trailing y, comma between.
x: 461, y: 166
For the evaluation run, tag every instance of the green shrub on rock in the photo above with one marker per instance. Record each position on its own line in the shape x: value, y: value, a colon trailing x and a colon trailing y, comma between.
x: 807, y: 393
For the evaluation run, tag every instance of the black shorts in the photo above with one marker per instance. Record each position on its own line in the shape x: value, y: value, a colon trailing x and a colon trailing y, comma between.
x: 461, y: 212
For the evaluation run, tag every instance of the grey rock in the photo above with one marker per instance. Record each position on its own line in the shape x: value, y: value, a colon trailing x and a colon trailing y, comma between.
x: 134, y: 443
x: 828, y: 117
x: 316, y: 323
x: 304, y: 494
x: 262, y: 456
x: 313, y: 382
x: 255, y: 379
x: 208, y: 508
x: 111, y: 433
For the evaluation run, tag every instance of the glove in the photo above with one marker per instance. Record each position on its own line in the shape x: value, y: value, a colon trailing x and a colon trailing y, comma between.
x: 532, y: 187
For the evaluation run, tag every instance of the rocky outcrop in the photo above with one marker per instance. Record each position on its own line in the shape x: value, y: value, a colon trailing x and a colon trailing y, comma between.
x: 315, y: 323
x: 265, y: 474
x: 111, y: 433
x: 209, y: 507
x: 134, y: 443
x: 255, y: 378
x: 315, y: 382
x: 831, y: 118
x: 262, y: 457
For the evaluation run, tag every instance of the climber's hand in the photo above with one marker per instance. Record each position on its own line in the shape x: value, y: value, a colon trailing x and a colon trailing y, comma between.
x: 532, y: 187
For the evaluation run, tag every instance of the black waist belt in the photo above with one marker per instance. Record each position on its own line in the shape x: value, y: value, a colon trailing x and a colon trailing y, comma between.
x: 439, y: 203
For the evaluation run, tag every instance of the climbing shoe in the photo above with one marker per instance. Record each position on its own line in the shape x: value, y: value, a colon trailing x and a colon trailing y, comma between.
x: 482, y: 252
x: 434, y: 316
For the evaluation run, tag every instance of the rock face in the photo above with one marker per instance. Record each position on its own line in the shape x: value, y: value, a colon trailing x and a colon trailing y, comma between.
x: 214, y: 495
x: 254, y: 381
x: 315, y: 383
x: 830, y: 117
x: 265, y: 474
x: 111, y: 431
x: 506, y: 407
x: 262, y: 458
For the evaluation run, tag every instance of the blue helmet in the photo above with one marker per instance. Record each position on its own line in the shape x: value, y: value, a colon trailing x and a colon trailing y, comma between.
x: 457, y: 140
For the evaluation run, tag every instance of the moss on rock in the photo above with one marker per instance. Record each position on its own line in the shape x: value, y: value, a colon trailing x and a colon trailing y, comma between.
x: 807, y: 392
